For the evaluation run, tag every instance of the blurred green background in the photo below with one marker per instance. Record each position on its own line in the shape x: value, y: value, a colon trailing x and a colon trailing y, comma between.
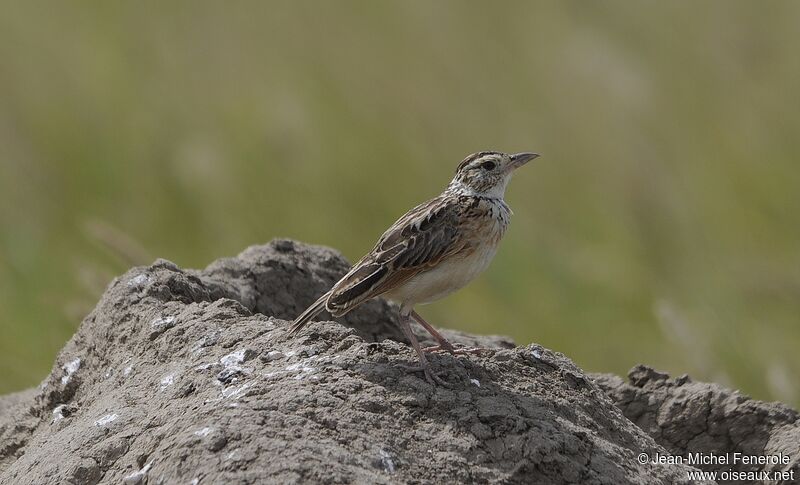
x: 661, y: 225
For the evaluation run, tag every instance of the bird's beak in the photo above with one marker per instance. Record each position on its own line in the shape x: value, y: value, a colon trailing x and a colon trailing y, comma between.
x: 520, y: 159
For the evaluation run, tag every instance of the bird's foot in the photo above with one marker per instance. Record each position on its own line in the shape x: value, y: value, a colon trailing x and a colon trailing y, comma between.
x: 430, y: 376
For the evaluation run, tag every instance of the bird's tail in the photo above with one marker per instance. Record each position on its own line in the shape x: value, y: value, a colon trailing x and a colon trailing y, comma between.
x: 309, y: 313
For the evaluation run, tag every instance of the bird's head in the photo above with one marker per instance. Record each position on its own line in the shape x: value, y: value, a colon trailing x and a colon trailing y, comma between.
x: 487, y: 173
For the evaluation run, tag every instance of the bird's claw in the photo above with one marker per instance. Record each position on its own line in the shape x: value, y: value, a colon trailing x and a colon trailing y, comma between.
x: 430, y: 376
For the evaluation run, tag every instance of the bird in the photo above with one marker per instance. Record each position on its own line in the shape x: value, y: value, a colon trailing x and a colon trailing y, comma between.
x: 436, y: 248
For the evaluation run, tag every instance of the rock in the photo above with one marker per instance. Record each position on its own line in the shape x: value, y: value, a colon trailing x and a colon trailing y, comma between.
x: 218, y: 392
x: 696, y: 417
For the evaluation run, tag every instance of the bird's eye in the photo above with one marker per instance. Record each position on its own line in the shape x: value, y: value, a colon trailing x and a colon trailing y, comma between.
x: 488, y: 165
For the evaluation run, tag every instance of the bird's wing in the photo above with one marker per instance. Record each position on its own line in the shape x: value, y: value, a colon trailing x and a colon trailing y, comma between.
x: 419, y: 240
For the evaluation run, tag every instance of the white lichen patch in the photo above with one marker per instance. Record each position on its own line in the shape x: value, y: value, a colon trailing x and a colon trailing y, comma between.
x: 70, y: 368
x: 302, y: 368
x: 107, y: 419
x: 274, y: 355
x: 136, y: 478
x: 387, y: 462
x: 233, y: 358
x: 138, y: 280
x: 231, y: 363
x: 58, y: 413
x: 167, y: 381
x: 234, y: 392
x: 162, y: 322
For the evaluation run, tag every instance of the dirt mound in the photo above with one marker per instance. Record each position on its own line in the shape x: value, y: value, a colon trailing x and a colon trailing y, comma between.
x: 183, y: 376
x: 696, y: 417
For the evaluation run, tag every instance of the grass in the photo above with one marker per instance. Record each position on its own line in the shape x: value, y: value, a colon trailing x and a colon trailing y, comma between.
x: 660, y: 225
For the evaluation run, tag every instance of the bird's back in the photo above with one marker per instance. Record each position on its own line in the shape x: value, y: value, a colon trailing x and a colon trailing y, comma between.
x: 434, y: 249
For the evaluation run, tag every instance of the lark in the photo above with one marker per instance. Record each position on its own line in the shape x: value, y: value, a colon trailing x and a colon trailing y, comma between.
x: 435, y: 249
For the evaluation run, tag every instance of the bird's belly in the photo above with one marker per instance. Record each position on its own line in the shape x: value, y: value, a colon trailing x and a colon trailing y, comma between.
x: 444, y: 279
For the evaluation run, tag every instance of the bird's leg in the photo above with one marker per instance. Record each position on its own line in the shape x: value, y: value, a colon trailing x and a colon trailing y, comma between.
x: 425, y: 366
x: 444, y: 344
